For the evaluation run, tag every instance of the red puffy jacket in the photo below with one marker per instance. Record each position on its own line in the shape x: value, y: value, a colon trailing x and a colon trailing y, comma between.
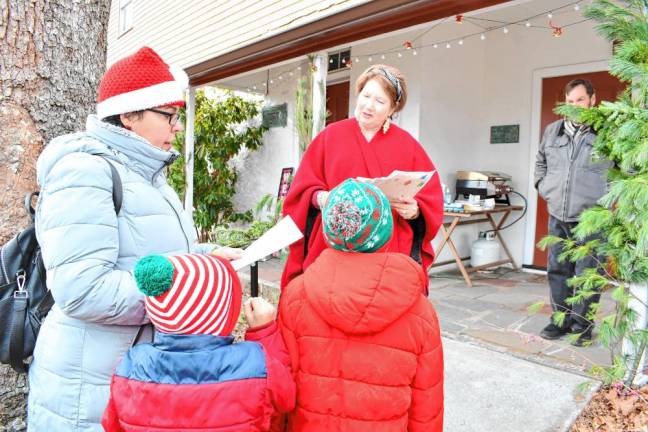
x: 364, y: 344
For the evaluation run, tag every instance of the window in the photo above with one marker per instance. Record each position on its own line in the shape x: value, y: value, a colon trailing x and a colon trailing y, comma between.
x: 125, y: 15
x: 339, y: 60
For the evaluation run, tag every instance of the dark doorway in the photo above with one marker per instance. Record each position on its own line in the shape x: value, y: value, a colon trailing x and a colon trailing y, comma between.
x: 607, y: 88
x: 337, y: 102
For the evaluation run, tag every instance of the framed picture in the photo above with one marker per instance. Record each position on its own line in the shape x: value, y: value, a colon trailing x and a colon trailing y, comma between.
x: 284, y: 183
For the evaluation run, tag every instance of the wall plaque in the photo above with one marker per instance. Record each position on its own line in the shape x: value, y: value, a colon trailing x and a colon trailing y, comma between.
x: 505, y: 134
x: 275, y: 116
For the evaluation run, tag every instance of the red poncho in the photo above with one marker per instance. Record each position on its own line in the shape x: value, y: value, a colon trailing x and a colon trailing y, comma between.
x: 341, y: 152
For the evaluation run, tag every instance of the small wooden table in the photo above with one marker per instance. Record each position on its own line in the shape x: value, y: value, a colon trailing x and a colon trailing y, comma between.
x: 447, y: 228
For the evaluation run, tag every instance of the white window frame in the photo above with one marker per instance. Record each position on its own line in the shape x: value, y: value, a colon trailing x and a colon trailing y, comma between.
x: 126, y: 8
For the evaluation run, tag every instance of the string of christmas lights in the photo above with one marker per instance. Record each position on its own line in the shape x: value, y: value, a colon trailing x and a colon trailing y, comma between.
x: 411, y: 47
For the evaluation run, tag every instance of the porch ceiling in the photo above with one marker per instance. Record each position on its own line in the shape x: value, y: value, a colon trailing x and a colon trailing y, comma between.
x: 370, y: 19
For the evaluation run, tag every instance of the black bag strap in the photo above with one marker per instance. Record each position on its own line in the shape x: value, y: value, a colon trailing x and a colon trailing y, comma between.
x: 28, y: 204
x: 117, y: 191
x: 17, y: 329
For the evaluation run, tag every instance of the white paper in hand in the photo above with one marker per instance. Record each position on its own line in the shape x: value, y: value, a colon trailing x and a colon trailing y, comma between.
x: 283, y: 234
x: 401, y: 184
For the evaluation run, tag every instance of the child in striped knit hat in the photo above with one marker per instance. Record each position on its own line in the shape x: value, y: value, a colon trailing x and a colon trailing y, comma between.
x: 192, y: 376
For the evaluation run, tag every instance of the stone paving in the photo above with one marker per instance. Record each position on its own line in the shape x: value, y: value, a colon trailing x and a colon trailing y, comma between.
x: 494, y: 312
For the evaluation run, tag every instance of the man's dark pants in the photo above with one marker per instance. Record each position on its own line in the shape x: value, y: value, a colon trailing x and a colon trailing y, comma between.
x: 558, y: 273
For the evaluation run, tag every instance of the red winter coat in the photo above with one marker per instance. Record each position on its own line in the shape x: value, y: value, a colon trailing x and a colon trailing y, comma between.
x: 364, y: 345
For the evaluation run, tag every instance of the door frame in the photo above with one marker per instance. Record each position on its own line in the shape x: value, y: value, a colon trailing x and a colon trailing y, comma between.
x: 535, y: 136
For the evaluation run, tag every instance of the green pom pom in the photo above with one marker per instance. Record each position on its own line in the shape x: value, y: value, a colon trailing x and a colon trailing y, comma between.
x: 154, y: 275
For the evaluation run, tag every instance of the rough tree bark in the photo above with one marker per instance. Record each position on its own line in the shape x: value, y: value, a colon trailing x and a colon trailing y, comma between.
x: 52, y: 56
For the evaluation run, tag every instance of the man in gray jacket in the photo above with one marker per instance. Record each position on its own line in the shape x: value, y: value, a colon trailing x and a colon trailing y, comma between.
x: 570, y: 181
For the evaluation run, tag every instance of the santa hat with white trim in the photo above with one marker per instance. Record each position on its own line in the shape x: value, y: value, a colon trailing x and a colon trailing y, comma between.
x: 190, y: 293
x: 140, y: 81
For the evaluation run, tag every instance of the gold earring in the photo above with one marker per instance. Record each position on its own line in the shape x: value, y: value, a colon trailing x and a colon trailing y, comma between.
x: 386, y: 126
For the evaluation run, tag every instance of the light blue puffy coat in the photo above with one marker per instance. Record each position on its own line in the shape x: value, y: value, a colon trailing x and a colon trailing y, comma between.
x: 89, y: 254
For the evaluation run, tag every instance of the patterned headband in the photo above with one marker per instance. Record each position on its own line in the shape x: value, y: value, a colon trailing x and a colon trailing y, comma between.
x: 394, y: 81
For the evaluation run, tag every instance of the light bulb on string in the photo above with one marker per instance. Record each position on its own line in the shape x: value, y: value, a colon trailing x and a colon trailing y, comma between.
x: 382, y: 57
x: 549, y: 15
x: 482, y: 36
x: 331, y: 60
x: 271, y: 82
x: 254, y: 87
x: 414, y: 52
x: 460, y: 41
x: 448, y: 45
x: 290, y: 73
x: 264, y: 85
x: 400, y: 54
x: 370, y: 59
x: 436, y: 45
x: 299, y: 68
x: 576, y: 7
x: 527, y: 24
x: 357, y: 60
x: 505, y: 30
x: 280, y: 77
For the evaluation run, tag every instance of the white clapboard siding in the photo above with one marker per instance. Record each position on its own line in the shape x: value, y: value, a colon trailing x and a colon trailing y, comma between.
x: 192, y: 31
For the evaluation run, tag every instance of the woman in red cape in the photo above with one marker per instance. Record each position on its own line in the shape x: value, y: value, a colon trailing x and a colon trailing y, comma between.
x: 365, y: 146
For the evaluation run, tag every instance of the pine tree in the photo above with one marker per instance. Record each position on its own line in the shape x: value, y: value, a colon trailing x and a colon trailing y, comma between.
x: 621, y: 220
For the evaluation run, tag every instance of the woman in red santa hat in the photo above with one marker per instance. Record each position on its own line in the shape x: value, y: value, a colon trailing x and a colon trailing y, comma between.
x: 366, y: 145
x: 90, y: 241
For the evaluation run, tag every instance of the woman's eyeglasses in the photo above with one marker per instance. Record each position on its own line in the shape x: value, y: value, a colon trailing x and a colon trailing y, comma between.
x: 173, y: 117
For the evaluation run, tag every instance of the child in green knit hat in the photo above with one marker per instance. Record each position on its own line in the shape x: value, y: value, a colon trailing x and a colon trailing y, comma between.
x: 357, y: 217
x: 364, y: 340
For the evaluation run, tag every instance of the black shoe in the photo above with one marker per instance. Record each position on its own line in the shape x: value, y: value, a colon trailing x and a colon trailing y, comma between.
x: 552, y: 331
x: 584, y: 336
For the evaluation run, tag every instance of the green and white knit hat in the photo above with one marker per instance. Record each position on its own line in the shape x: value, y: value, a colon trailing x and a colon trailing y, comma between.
x: 357, y: 217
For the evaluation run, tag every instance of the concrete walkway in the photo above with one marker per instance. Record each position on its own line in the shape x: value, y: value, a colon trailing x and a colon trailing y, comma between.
x: 499, y: 376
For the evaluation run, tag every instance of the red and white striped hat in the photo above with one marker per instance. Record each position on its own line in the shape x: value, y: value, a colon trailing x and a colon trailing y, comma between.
x: 190, y: 294
x: 140, y: 81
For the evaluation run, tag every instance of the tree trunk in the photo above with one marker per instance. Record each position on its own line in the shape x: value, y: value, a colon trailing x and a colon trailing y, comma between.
x: 52, y: 56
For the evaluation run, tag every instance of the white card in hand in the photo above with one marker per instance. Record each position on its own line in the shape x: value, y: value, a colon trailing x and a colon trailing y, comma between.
x: 283, y: 234
x: 400, y: 184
